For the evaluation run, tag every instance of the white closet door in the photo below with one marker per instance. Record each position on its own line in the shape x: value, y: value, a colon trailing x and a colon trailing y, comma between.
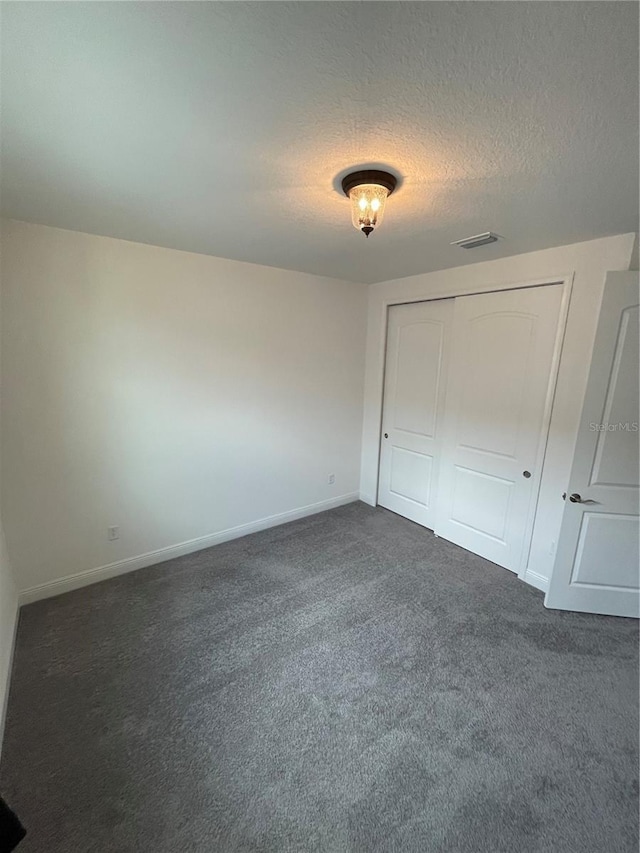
x: 500, y: 385
x: 414, y: 390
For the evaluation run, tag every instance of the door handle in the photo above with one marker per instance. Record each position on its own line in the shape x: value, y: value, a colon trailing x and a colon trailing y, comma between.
x: 575, y: 498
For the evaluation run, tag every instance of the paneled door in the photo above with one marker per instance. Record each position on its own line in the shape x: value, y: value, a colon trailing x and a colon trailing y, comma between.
x: 418, y: 337
x: 501, y: 382
x: 597, y: 561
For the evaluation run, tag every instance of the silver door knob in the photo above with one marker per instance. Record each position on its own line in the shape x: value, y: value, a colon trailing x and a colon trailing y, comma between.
x: 526, y: 474
x: 575, y: 498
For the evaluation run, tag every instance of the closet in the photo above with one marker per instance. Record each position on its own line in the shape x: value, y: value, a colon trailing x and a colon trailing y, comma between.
x: 467, y: 397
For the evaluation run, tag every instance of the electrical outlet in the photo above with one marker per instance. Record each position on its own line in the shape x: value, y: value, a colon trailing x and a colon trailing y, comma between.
x: 113, y: 533
x: 331, y: 479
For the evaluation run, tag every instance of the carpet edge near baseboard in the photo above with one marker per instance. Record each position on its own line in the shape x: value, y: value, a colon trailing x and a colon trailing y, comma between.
x: 161, y: 555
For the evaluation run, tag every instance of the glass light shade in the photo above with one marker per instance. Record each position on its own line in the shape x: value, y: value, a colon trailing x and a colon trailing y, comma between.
x: 367, y: 206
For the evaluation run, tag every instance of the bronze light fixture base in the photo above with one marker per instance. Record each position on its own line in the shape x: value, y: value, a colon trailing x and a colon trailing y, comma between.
x: 369, y: 176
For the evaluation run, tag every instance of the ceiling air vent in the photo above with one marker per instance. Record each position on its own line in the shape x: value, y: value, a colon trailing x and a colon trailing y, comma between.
x: 478, y: 240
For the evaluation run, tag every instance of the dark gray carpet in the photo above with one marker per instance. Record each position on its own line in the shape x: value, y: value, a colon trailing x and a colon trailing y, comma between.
x: 347, y: 682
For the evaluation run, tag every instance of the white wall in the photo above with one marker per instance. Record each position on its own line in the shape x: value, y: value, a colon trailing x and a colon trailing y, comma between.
x: 8, y: 623
x: 173, y: 394
x: 587, y: 263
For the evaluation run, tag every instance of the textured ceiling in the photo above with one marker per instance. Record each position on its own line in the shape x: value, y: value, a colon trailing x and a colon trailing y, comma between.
x: 222, y: 127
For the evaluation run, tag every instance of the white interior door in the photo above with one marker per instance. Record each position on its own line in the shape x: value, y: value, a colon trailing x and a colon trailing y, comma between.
x: 596, y: 567
x: 499, y: 396
x: 414, y: 390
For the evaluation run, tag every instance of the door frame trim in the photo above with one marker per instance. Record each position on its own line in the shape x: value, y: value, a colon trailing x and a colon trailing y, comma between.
x: 566, y: 282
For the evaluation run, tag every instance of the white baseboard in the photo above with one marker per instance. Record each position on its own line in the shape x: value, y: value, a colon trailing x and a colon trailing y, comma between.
x: 534, y: 579
x: 130, y: 564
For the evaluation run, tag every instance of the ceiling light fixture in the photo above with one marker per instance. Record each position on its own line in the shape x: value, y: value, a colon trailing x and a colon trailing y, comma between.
x: 368, y: 191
